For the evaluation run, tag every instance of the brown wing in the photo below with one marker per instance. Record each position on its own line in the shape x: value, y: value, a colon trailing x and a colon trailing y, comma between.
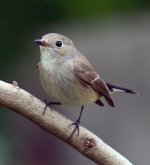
x: 90, y: 79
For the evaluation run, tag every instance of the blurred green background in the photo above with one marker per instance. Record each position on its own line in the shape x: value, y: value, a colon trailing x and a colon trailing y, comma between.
x: 115, y: 36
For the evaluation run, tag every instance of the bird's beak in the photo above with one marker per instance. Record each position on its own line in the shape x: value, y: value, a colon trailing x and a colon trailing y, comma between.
x: 41, y: 42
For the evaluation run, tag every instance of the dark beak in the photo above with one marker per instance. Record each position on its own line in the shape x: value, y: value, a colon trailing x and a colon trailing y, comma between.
x: 41, y: 42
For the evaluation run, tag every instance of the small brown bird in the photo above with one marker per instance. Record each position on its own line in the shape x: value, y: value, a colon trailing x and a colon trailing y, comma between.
x: 68, y: 77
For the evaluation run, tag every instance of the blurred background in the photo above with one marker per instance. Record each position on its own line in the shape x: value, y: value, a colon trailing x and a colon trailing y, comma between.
x: 115, y: 36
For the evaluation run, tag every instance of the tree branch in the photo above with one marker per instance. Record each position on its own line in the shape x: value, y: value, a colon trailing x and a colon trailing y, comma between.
x: 88, y: 144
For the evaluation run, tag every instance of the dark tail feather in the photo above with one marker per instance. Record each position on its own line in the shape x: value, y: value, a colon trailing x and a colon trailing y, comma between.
x: 99, y: 102
x: 109, y: 101
x: 112, y: 88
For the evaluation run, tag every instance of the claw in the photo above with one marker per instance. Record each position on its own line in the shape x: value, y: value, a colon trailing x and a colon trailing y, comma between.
x: 77, y: 124
x: 76, y: 127
x: 49, y: 104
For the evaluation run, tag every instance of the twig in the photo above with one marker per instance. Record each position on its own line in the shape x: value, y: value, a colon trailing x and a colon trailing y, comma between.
x: 25, y: 104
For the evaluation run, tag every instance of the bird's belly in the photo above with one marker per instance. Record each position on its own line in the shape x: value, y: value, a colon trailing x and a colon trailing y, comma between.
x: 75, y: 95
x: 67, y: 90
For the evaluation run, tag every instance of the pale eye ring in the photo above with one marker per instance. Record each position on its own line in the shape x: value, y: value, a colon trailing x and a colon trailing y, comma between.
x: 59, y: 44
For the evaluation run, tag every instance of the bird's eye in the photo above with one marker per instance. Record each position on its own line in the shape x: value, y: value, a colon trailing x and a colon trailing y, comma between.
x: 59, y: 43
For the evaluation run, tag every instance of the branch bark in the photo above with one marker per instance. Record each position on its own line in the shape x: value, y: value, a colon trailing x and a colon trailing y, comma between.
x: 88, y: 144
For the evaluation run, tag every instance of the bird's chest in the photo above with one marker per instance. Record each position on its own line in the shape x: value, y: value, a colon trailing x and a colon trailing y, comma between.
x: 56, y: 80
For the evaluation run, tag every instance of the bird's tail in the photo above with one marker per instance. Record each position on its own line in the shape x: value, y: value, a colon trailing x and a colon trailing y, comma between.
x: 114, y: 88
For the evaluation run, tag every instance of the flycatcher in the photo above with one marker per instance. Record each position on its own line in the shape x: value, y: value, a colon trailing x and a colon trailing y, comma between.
x: 68, y: 77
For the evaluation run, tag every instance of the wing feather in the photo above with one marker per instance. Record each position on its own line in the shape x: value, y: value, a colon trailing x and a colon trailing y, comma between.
x: 90, y: 79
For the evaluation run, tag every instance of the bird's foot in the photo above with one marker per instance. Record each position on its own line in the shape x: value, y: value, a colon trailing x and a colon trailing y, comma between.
x: 49, y: 104
x: 76, y: 128
x: 76, y: 124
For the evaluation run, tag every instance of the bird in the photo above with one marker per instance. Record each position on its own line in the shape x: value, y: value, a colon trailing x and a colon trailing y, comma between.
x: 67, y: 76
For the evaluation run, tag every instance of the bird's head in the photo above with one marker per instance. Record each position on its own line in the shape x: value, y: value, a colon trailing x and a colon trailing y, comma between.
x: 55, y: 46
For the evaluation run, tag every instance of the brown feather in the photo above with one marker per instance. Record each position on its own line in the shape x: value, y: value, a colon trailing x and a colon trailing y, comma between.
x: 90, y: 79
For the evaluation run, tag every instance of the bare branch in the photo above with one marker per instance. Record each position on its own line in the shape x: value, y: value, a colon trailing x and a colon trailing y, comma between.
x: 88, y: 144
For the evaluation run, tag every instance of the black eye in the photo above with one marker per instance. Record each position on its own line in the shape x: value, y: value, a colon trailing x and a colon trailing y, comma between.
x: 59, y: 44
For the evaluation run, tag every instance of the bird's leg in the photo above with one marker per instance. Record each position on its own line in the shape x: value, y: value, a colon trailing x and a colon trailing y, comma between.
x: 77, y: 123
x: 49, y: 104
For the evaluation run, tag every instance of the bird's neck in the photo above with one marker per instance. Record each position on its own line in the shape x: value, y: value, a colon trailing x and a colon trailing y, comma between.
x: 48, y: 63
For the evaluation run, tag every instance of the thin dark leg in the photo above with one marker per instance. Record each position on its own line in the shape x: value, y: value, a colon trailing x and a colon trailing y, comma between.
x: 77, y: 123
x: 49, y: 104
